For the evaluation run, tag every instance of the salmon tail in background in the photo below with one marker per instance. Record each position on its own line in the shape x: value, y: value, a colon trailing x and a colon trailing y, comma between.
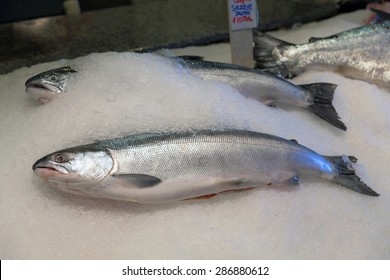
x: 380, y: 15
x: 360, y: 53
x: 322, y: 95
x: 264, y: 57
x: 347, y: 176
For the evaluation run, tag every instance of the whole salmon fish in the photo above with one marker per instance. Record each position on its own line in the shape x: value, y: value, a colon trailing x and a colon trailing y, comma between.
x: 165, y: 167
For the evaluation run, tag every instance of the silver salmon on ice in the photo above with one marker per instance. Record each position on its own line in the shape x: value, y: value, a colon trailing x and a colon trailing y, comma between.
x: 266, y: 88
x: 361, y: 53
x: 166, y: 167
x: 47, y: 85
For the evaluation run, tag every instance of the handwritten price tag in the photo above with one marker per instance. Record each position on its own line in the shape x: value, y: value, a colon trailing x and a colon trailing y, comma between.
x: 243, y: 14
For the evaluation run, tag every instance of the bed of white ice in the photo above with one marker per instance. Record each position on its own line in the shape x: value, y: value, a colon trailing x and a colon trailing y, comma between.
x: 115, y: 94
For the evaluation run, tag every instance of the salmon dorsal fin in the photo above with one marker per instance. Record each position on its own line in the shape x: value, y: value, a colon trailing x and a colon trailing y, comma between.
x: 191, y: 57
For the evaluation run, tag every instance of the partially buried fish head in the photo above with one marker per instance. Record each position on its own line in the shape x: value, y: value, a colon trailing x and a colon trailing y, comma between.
x: 47, y: 85
x: 75, y: 170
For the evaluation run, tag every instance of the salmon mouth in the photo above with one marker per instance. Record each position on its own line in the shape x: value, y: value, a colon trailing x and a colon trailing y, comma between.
x: 47, y: 172
x: 40, y: 92
x: 45, y: 169
x: 37, y: 86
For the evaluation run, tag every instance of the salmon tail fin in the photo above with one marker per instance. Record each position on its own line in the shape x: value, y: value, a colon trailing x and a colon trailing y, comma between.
x: 322, y: 96
x: 382, y: 15
x: 347, y: 176
x: 263, y: 54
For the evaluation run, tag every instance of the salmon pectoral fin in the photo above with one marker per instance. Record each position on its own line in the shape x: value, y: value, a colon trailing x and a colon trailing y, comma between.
x: 138, y: 180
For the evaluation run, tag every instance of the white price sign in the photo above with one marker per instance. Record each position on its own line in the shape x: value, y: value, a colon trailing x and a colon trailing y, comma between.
x: 243, y: 14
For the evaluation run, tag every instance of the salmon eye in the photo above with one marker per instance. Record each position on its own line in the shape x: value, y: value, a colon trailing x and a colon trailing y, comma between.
x: 53, y: 78
x: 60, y: 158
